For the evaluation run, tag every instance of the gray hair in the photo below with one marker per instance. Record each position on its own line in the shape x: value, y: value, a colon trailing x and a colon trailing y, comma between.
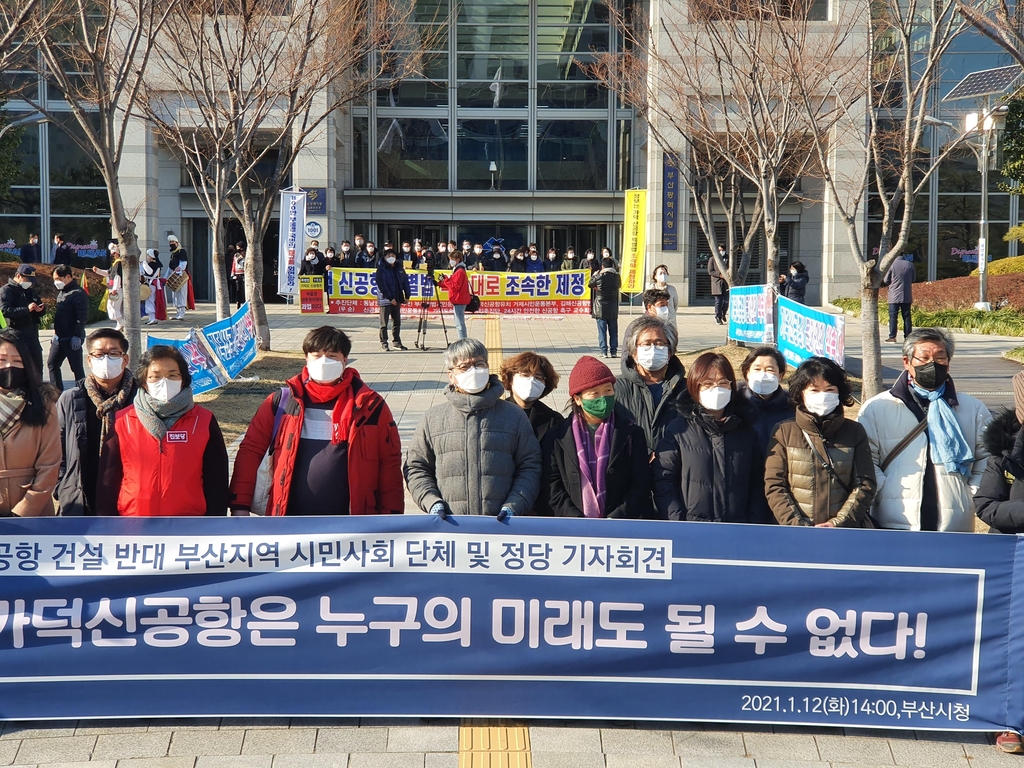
x: 647, y: 323
x: 462, y: 350
x: 936, y: 335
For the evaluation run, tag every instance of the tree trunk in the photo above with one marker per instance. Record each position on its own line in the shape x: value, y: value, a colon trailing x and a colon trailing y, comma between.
x: 771, y: 251
x: 128, y: 245
x: 220, y: 268
x: 254, y: 287
x: 871, y: 348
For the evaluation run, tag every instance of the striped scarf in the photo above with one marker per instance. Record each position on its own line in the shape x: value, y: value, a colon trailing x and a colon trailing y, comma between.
x: 11, y: 406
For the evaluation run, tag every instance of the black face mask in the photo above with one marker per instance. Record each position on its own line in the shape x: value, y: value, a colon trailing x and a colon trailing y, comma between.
x: 930, y: 376
x: 12, y: 378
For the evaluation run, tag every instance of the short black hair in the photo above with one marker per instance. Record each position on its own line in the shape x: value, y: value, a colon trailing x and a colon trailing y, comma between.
x: 606, y: 263
x: 820, y: 367
x: 58, y: 236
x: 63, y: 270
x: 162, y: 352
x: 763, y: 352
x: 106, y: 333
x: 653, y: 295
x: 326, y: 338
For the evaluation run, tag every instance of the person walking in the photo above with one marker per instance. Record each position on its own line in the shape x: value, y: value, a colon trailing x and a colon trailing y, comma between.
x: 70, y: 317
x: 180, y: 279
x: 457, y: 286
x: 819, y: 471
x: 475, y: 454
x: 794, y: 285
x: 659, y: 282
x: 900, y: 280
x: 709, y: 467
x: 762, y: 370
x: 599, y: 461
x: 166, y: 455
x: 927, y: 441
x: 393, y: 291
x: 333, y: 442
x: 652, y: 387
x: 719, y: 286
x: 62, y: 252
x: 604, y: 307
x: 237, y: 261
x: 24, y: 310
x: 29, y: 434
x: 85, y: 414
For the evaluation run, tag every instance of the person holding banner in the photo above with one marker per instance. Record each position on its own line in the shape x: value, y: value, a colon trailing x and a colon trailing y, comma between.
x: 457, y: 285
x: 819, y: 471
x: 393, y: 291
x: 165, y: 456
x: 762, y: 370
x: 476, y: 453
x: 710, y: 467
x: 927, y: 441
x: 604, y: 307
x: 334, y: 446
x: 29, y: 433
x: 599, y: 461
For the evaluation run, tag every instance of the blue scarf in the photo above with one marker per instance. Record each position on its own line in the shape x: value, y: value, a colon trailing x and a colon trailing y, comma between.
x: 946, y: 440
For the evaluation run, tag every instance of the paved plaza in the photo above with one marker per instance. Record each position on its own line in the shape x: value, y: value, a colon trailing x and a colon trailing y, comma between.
x: 412, y: 383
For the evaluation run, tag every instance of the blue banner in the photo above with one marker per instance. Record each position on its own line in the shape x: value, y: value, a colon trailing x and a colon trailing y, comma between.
x: 805, y: 332
x: 418, y: 616
x: 233, y: 341
x: 669, y: 201
x: 751, y: 314
x: 202, y: 365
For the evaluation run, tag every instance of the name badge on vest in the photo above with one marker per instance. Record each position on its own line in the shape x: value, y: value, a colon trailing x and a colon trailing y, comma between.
x: 177, y: 437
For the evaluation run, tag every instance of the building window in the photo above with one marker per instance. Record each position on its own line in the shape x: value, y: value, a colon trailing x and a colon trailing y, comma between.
x: 505, y: 143
x: 572, y: 154
x: 412, y: 153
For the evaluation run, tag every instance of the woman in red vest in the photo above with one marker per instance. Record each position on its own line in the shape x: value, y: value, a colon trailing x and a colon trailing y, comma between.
x: 166, y: 456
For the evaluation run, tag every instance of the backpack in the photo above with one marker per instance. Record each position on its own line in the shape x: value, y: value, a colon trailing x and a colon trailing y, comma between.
x: 264, y: 475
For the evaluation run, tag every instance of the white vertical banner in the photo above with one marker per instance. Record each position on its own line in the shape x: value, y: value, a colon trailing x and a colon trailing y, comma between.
x: 293, y: 227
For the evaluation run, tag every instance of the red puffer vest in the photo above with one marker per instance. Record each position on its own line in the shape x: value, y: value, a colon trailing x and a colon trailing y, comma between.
x: 163, y: 484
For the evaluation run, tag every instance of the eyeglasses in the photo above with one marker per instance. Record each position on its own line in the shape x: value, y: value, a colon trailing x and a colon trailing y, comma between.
x: 469, y: 365
x: 723, y: 383
x: 655, y: 344
x: 111, y: 355
x: 937, y: 360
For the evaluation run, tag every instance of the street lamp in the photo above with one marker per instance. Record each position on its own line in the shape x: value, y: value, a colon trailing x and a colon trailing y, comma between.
x: 493, y: 169
x: 30, y: 119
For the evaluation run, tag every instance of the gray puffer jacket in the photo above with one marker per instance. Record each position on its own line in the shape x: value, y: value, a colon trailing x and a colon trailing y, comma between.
x: 476, y: 452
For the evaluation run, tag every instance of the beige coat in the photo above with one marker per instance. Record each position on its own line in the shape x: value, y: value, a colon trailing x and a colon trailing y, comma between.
x: 29, y: 462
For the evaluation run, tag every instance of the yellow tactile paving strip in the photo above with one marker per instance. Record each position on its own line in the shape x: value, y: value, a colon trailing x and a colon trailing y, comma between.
x: 492, y: 340
x: 494, y: 744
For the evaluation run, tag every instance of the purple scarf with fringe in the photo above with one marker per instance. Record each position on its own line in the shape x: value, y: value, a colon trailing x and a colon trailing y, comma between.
x: 593, y: 458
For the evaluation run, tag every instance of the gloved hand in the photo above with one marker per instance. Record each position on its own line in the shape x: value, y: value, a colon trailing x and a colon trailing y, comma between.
x: 76, y: 343
x: 440, y: 509
x: 505, y: 513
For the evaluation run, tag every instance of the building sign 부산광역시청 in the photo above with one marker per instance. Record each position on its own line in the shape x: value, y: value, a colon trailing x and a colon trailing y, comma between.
x: 670, y: 202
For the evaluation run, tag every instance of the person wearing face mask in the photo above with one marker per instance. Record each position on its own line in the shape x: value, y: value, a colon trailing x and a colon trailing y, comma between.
x: 181, y: 296
x: 30, y: 251
x: 517, y: 260
x: 720, y: 285
x: 392, y: 292
x: 709, y: 467
x: 535, y: 263
x: 408, y: 255
x: 86, y: 414
x: 236, y: 258
x: 24, y: 310
x: 165, y: 456
x: 819, y: 471
x: 70, y: 317
x: 762, y: 370
x: 151, y: 272
x: 113, y: 277
x: 569, y: 260
x: 652, y: 386
x: 655, y: 303
x: 474, y: 454
x: 590, y: 261
x: 345, y: 258
x: 368, y: 259
x: 336, y: 449
x: 604, y: 307
x: 311, y: 263
x: 29, y: 433
x: 476, y: 257
x: 659, y: 281
x: 457, y: 285
x: 359, y: 254
x: 599, y: 462
x: 495, y: 261
x: 62, y: 252
x: 552, y: 262
x: 794, y: 284
x: 927, y: 441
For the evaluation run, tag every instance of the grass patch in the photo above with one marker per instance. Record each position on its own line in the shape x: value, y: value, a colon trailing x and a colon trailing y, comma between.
x: 1016, y: 354
x: 999, y: 322
x: 236, y: 402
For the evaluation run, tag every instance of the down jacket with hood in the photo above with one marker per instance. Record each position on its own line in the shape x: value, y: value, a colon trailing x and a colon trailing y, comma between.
x: 711, y: 471
x: 477, y: 452
x: 1000, y: 497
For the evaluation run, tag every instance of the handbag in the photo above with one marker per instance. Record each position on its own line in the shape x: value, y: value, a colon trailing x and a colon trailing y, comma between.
x: 264, y: 475
x: 474, y: 303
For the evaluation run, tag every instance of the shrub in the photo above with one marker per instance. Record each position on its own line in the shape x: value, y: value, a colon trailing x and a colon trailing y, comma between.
x: 1010, y: 266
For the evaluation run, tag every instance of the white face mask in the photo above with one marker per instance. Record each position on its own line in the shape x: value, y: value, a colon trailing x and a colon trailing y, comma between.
x: 106, y: 367
x: 311, y: 257
x: 390, y: 259
x: 534, y: 256
x: 792, y: 272
x: 474, y: 380
x: 59, y: 284
x: 452, y: 263
x: 821, y: 403
x: 163, y: 389
x: 345, y: 249
x: 762, y: 382
x: 660, y: 278
x: 324, y: 370
x: 527, y: 388
x: 26, y: 284
x: 663, y: 312
x: 715, y: 399
x: 652, y: 358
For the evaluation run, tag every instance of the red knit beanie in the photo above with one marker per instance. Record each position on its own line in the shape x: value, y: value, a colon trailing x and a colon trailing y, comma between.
x: 589, y: 372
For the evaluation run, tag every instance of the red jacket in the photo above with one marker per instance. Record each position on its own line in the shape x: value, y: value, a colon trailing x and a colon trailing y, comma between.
x: 457, y: 285
x: 183, y: 475
x: 374, y: 452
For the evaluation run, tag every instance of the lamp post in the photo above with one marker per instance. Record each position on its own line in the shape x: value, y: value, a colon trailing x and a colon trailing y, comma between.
x: 31, y: 119
x: 493, y: 169
x: 986, y: 123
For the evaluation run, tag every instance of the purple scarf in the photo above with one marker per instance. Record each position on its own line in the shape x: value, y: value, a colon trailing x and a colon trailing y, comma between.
x: 593, y: 459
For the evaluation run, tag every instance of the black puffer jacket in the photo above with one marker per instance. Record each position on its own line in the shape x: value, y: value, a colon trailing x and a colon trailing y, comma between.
x: 545, y: 422
x: 768, y: 412
x: 632, y: 394
x: 628, y: 477
x: 711, y: 471
x: 1000, y: 498
x: 72, y: 312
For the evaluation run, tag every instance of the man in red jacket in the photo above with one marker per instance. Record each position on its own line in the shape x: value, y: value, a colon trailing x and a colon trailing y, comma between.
x: 457, y: 285
x: 336, y: 445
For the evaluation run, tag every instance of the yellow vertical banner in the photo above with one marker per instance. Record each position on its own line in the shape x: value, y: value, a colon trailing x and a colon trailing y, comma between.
x: 634, y: 241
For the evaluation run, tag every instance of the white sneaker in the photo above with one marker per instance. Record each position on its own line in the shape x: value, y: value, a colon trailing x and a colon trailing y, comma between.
x: 152, y: 321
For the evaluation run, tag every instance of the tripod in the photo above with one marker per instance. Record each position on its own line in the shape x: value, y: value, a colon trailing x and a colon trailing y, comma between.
x: 421, y: 326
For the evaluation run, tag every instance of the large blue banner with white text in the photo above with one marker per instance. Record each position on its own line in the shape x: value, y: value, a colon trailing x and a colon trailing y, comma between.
x: 751, y: 314
x: 233, y: 340
x: 202, y: 366
x: 805, y: 332
x: 419, y: 616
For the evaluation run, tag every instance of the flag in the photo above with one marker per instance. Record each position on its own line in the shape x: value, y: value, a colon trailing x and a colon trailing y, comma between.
x: 496, y: 87
x: 85, y: 283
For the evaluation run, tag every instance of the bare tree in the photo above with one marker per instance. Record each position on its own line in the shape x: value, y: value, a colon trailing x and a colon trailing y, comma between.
x: 21, y: 22
x: 999, y: 21
x: 95, y: 53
